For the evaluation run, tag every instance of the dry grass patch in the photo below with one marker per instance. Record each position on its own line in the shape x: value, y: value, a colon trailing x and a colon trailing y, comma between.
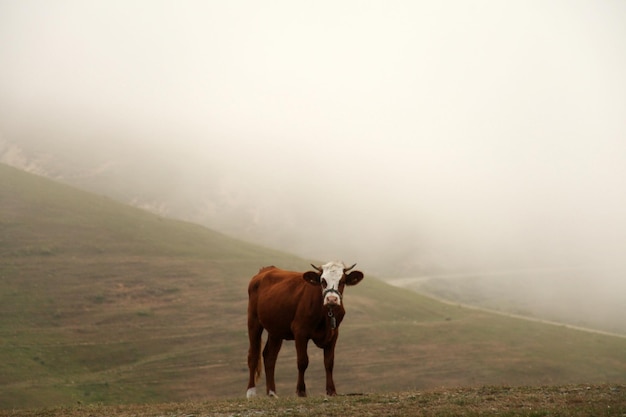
x: 571, y: 401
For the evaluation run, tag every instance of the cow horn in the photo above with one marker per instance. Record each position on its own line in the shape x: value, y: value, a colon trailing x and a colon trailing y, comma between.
x: 317, y: 268
x: 347, y: 269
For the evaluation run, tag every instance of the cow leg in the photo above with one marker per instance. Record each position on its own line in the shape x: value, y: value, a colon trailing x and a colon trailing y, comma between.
x: 303, y: 363
x: 329, y: 363
x: 255, y: 330
x: 270, y: 354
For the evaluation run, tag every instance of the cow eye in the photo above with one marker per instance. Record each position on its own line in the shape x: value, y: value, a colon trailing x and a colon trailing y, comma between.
x: 324, y: 283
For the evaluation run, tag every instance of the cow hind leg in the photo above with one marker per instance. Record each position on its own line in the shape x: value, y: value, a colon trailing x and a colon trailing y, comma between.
x: 255, y: 330
x: 270, y: 354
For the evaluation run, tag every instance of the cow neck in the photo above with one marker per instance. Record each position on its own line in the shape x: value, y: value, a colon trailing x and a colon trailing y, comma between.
x: 333, y: 320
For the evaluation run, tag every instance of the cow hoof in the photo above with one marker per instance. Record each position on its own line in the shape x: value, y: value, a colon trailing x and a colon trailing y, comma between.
x: 251, y: 392
x: 272, y: 394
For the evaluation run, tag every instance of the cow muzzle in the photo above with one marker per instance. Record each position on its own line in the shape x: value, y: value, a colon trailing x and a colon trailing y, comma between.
x: 332, y: 297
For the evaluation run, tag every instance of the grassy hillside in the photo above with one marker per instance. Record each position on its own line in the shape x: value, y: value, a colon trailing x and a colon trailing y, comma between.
x: 100, y: 302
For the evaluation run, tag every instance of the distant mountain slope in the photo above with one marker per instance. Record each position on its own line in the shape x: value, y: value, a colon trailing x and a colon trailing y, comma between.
x: 101, y: 302
x: 543, y: 293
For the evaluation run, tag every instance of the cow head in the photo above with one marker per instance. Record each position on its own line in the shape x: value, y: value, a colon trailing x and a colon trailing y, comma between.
x: 332, y: 277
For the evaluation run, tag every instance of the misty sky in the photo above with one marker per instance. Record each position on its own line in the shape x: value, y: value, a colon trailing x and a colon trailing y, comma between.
x: 478, y: 132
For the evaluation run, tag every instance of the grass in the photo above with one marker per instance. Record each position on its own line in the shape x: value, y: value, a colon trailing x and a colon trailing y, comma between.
x: 106, y: 305
x: 570, y: 401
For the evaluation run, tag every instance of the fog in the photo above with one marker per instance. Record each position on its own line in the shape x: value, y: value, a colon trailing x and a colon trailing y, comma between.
x: 410, y: 137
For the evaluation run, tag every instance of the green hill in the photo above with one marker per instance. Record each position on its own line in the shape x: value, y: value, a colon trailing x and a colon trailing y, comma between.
x: 100, y: 302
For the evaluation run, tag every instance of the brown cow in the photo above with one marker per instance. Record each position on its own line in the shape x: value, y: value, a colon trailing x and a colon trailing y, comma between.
x: 296, y: 306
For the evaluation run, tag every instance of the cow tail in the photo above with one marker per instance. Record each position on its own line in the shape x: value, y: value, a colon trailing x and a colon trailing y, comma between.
x: 259, y: 366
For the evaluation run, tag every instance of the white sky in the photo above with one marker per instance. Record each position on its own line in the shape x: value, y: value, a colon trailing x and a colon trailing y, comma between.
x: 478, y: 125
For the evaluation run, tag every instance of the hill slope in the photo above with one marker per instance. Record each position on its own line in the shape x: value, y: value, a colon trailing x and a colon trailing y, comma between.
x: 100, y: 302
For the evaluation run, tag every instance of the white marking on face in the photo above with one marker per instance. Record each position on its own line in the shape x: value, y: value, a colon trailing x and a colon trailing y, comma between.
x: 331, y: 276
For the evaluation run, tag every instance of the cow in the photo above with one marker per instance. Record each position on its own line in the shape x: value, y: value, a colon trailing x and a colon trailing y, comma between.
x: 296, y: 306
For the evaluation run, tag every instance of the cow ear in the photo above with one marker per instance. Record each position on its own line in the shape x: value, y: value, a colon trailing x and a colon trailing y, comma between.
x: 354, y: 277
x: 312, y: 277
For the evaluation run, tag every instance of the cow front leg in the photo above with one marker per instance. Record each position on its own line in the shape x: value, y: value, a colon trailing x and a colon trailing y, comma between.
x: 329, y: 363
x: 270, y: 354
x: 303, y: 363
